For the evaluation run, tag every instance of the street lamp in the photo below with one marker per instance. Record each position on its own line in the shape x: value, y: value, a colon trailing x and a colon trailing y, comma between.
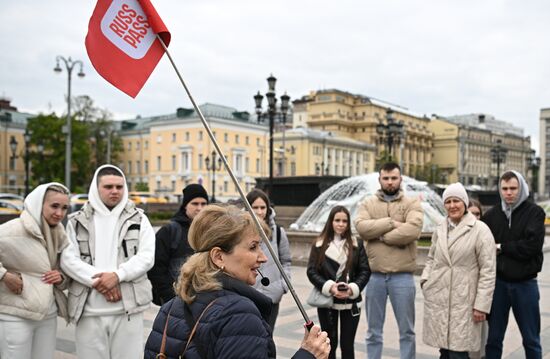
x: 391, y: 132
x: 27, y: 138
x: 498, y: 155
x: 271, y: 113
x: 214, y: 167
x: 40, y: 148
x: 13, y: 148
x: 69, y: 66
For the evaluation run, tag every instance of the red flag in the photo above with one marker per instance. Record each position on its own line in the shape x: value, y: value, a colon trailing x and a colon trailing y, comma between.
x: 122, y: 43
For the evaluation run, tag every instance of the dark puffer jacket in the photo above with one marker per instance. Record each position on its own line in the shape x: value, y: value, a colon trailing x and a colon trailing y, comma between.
x: 170, y: 254
x: 233, y: 327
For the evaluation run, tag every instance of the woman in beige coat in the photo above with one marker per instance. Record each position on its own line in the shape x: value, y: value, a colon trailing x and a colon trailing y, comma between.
x: 31, y: 282
x: 458, y: 279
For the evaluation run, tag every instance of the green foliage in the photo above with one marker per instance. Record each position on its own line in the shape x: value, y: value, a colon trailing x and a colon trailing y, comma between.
x: 91, y: 127
x: 142, y: 187
x: 49, y: 165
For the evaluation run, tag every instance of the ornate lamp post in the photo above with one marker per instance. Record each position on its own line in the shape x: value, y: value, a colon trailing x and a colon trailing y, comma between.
x: 27, y: 137
x: 13, y: 148
x: 213, y: 166
x: 390, y: 133
x: 498, y: 156
x: 69, y: 66
x: 271, y: 113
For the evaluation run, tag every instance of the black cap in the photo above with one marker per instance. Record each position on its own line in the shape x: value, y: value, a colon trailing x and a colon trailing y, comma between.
x: 191, y: 192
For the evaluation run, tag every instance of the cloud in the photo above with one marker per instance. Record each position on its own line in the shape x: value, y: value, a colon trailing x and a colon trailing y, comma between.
x: 431, y: 56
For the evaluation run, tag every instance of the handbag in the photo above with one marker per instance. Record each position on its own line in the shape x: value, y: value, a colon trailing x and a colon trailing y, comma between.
x: 162, y: 355
x: 319, y: 300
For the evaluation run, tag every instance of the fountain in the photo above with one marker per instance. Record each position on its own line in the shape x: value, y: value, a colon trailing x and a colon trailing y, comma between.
x: 349, y: 192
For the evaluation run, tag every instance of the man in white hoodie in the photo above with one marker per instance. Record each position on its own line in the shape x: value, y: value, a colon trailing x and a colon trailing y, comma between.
x: 112, y: 248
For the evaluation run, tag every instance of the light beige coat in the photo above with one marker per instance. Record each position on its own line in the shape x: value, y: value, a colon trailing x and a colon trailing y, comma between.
x: 390, y: 249
x: 23, y: 250
x: 459, y: 277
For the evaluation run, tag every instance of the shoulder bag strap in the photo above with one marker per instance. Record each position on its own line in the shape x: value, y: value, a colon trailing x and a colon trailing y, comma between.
x: 195, y: 328
x: 161, y: 354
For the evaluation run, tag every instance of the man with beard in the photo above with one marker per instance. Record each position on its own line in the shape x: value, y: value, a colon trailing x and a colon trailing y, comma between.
x: 172, y: 247
x: 390, y: 224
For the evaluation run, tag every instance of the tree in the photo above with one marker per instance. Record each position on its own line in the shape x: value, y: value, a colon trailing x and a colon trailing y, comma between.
x: 47, y: 131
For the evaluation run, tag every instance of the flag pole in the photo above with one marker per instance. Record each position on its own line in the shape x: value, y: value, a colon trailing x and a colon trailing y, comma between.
x: 309, y: 323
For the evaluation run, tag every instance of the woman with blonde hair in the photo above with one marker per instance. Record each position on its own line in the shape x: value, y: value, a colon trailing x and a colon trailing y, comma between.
x: 31, y: 282
x: 216, y: 313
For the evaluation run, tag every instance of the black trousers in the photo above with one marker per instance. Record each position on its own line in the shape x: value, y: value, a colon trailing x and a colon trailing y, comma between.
x: 328, y: 318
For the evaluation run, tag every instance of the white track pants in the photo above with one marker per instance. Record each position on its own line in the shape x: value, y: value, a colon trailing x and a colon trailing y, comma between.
x: 28, y: 339
x: 110, y: 337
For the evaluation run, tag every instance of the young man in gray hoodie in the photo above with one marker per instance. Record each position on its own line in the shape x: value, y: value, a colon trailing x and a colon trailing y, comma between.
x: 112, y: 246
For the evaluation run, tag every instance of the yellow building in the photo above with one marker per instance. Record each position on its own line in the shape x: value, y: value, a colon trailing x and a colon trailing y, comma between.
x: 321, y: 153
x: 463, y: 148
x: 12, y: 165
x: 171, y: 151
x: 356, y: 116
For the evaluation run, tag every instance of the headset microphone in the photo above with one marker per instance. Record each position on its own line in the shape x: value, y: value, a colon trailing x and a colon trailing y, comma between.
x: 265, y: 281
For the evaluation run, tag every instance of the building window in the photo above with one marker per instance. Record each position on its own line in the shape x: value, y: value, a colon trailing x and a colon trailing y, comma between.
x: 173, y: 186
x: 174, y: 137
x: 200, y: 161
x: 237, y: 139
x: 158, y: 185
x: 146, y: 166
x: 258, y: 141
x: 200, y: 135
x: 137, y: 145
x: 257, y: 165
x: 185, y: 163
x: 173, y: 162
x: 225, y: 186
x: 247, y: 164
x: 293, y: 168
x: 158, y: 163
x: 129, y: 146
x: 138, y: 166
x: 246, y: 140
x: 225, y: 137
x: 187, y: 136
x: 159, y: 138
x: 146, y: 144
x: 129, y: 167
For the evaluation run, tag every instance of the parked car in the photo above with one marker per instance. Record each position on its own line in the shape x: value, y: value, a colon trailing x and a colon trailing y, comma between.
x: 12, y: 198
x: 7, y: 207
x: 77, y: 201
x: 146, y: 198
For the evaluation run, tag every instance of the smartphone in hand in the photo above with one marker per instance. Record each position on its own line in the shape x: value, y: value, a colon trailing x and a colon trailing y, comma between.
x: 342, y: 287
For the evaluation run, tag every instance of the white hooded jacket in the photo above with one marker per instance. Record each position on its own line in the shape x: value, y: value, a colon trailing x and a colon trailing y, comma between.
x: 23, y: 250
x: 120, y: 240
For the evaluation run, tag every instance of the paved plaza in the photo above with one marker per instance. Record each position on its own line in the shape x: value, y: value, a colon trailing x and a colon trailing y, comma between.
x: 289, y: 331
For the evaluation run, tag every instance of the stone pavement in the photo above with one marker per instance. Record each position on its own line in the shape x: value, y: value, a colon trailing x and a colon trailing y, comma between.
x: 289, y: 331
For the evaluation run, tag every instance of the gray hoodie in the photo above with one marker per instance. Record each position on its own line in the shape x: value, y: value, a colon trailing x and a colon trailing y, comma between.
x: 522, y: 196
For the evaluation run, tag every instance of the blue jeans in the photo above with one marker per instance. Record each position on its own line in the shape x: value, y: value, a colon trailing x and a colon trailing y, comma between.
x: 401, y: 289
x: 523, y: 298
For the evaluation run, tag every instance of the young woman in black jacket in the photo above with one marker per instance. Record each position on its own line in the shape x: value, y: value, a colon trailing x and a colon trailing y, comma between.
x: 338, y: 267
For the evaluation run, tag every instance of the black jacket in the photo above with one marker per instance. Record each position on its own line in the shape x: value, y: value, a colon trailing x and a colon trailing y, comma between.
x: 170, y: 254
x: 233, y: 327
x: 521, y: 254
x: 359, y: 272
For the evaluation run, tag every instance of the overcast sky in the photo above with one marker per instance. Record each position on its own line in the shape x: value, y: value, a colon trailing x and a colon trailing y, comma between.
x: 431, y: 56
